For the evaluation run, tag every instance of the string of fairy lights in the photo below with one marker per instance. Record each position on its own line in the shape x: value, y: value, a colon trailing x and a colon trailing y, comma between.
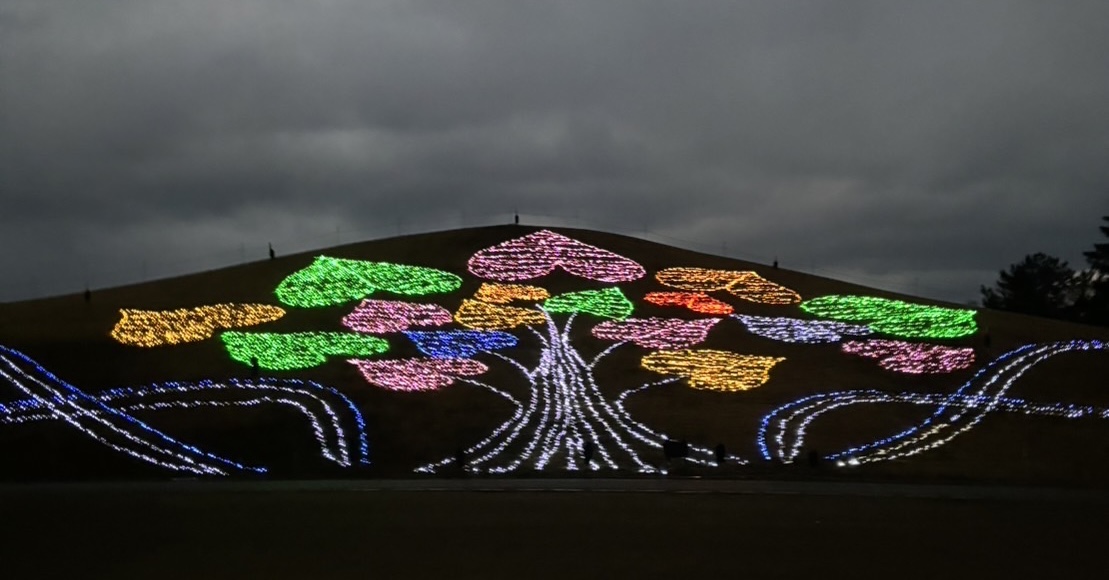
x: 913, y: 358
x: 698, y: 302
x: 955, y: 414
x: 417, y: 374
x: 541, y: 253
x: 333, y: 281
x: 298, y: 350
x: 387, y: 316
x: 714, y: 370
x: 660, y: 333
x: 150, y: 328
x: 747, y: 285
x: 895, y: 317
x: 484, y: 316
x: 799, y: 331
x: 508, y: 293
x: 605, y: 303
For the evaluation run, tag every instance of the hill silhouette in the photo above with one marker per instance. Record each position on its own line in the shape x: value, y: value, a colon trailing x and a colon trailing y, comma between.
x: 71, y: 338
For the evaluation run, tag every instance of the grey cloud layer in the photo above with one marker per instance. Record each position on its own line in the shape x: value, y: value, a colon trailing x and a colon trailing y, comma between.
x: 906, y: 143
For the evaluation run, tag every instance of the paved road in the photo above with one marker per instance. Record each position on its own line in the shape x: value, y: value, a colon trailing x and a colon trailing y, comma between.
x: 635, y: 485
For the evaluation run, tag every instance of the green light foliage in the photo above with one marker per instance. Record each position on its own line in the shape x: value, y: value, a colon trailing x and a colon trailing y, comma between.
x: 331, y: 281
x: 298, y: 350
x: 606, y: 303
x: 895, y: 317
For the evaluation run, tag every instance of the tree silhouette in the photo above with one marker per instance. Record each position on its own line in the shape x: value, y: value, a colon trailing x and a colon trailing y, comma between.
x: 1093, y: 304
x: 1039, y: 285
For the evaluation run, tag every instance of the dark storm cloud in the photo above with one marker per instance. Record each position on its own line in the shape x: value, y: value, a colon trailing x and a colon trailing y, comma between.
x: 917, y: 146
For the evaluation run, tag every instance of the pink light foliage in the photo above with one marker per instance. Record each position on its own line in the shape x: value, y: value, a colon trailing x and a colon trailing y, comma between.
x: 660, y: 333
x: 913, y: 358
x: 540, y: 253
x: 383, y: 316
x: 417, y: 374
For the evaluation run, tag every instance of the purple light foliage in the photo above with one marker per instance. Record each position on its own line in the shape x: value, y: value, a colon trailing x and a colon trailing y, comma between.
x: 660, y: 333
x: 796, y: 330
x: 913, y: 358
x: 384, y: 316
x: 540, y: 253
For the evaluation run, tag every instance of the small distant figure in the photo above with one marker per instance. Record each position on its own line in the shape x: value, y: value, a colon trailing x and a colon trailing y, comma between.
x: 587, y: 453
x: 517, y: 218
x: 272, y: 253
x: 88, y: 295
x: 254, y: 370
x: 775, y: 263
x: 721, y: 453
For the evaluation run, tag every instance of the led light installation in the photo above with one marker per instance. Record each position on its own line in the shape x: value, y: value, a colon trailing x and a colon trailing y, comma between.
x: 895, y: 317
x: 698, y: 302
x: 913, y: 358
x: 713, y: 370
x: 480, y: 315
x: 658, y: 333
x: 332, y: 281
x: 417, y: 374
x: 385, y: 316
x: 298, y: 350
x: 605, y: 303
x: 149, y: 328
x: 747, y: 285
x: 796, y: 330
x: 460, y: 343
x: 336, y: 422
x: 104, y: 417
x: 783, y: 431
x: 540, y: 253
x: 508, y: 293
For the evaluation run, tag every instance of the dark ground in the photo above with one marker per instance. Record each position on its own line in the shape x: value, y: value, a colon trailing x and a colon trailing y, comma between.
x: 235, y: 533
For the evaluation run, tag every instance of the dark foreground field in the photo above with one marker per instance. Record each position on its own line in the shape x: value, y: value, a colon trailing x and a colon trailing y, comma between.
x: 147, y: 533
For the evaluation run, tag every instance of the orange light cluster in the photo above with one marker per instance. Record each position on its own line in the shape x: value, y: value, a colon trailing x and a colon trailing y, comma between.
x: 747, y: 285
x: 714, y: 370
x: 150, y: 328
x: 696, y: 301
x: 507, y: 293
x: 485, y: 316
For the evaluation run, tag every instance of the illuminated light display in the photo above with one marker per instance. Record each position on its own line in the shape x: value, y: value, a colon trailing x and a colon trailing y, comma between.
x: 507, y: 293
x: 713, y: 370
x: 783, y: 431
x: 895, y: 317
x: 332, y: 281
x: 696, y: 301
x: 912, y: 358
x: 796, y: 330
x: 460, y: 343
x: 385, y: 316
x: 484, y: 316
x: 150, y: 328
x: 417, y: 374
x: 564, y: 411
x: 298, y: 350
x: 747, y: 285
x: 114, y: 429
x: 605, y: 303
x: 336, y: 422
x: 659, y: 333
x: 540, y: 253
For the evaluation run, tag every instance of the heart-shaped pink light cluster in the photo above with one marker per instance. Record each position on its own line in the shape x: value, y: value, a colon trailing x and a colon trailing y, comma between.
x: 910, y: 357
x: 383, y: 316
x: 417, y: 374
x: 539, y: 253
x: 660, y: 333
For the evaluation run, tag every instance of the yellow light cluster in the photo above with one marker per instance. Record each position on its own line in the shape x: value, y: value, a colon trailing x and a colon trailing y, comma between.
x: 481, y: 315
x: 714, y: 370
x: 747, y: 285
x: 150, y: 328
x: 507, y: 293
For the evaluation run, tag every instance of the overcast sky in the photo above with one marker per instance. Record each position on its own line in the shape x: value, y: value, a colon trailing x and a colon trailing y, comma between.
x: 916, y: 146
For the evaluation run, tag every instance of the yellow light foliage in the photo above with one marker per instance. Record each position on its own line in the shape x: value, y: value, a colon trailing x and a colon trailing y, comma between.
x: 747, y: 285
x: 150, y: 328
x: 714, y: 370
x: 506, y: 293
x: 484, y: 316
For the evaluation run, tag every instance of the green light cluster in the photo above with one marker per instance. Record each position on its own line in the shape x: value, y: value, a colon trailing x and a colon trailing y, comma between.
x: 330, y: 281
x: 298, y: 350
x: 895, y: 317
x: 606, y: 303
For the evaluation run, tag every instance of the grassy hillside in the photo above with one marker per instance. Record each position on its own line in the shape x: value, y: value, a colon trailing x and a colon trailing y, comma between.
x: 70, y: 337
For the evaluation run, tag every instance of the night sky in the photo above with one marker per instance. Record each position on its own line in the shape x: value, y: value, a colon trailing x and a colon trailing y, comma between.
x: 913, y: 146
